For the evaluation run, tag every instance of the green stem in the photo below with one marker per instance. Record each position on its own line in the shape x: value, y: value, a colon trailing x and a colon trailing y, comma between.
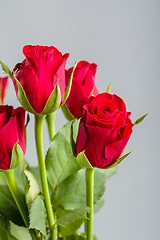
x: 89, y: 201
x: 42, y: 170
x: 50, y: 118
x: 18, y: 199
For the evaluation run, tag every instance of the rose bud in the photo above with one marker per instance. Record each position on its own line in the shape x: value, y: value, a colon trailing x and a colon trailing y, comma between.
x: 104, y: 130
x: 39, y: 80
x: 83, y: 85
x: 12, y: 137
x: 3, y: 88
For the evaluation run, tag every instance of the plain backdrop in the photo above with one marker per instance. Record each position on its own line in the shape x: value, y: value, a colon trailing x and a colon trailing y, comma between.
x: 123, y: 38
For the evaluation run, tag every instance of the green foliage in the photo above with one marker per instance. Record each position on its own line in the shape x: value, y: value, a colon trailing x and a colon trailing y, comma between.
x: 3, y: 179
x: 108, y: 172
x: 60, y: 161
x: 35, y: 172
x: 8, y: 208
x: 33, y: 188
x: 71, y: 216
x: 95, y: 237
x: 71, y: 193
x: 19, y: 175
x: 70, y: 221
x: 20, y: 233
x: 77, y: 236
x: 80, y: 236
x: 5, y: 230
x: 97, y: 206
x: 38, y: 215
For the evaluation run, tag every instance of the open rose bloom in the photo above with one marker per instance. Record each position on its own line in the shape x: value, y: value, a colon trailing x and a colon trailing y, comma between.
x: 104, y: 130
x: 38, y: 75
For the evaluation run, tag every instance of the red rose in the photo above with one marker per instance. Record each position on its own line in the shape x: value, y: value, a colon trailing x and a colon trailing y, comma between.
x: 3, y: 87
x: 38, y: 74
x: 11, y: 130
x: 82, y: 86
x: 104, y: 129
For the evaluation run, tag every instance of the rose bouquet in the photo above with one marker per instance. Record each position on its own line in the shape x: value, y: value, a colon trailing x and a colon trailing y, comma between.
x: 52, y: 200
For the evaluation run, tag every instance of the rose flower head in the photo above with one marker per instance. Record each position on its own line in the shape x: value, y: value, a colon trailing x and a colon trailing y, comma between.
x: 39, y: 80
x: 104, y: 130
x: 83, y: 85
x: 3, y: 88
x: 12, y: 136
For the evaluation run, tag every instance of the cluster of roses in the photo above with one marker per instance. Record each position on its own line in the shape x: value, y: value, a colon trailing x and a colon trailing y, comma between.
x: 43, y: 85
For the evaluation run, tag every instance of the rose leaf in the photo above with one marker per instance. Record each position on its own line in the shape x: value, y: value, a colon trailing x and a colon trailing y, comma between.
x: 60, y: 161
x: 38, y: 209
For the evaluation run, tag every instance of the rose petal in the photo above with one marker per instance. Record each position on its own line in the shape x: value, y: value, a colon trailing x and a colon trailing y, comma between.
x: 81, y: 139
x: 95, y: 121
x: 120, y: 104
x: 114, y: 151
x: 89, y: 83
x: 77, y: 99
x: 97, y: 139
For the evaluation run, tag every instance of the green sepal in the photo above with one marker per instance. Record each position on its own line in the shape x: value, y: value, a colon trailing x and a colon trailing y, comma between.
x: 28, y: 120
x: 73, y: 137
x: 81, y: 158
x: 91, y: 94
x: 54, y: 101
x: 139, y: 120
x: 25, y: 131
x: 108, y: 88
x: 17, y: 156
x: 67, y: 113
x: 52, y: 104
x: 22, y: 97
x: 5, y: 68
x: 68, y: 88
x: 118, y: 160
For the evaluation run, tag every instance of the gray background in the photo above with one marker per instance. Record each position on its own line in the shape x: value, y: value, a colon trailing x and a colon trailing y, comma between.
x: 123, y: 38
